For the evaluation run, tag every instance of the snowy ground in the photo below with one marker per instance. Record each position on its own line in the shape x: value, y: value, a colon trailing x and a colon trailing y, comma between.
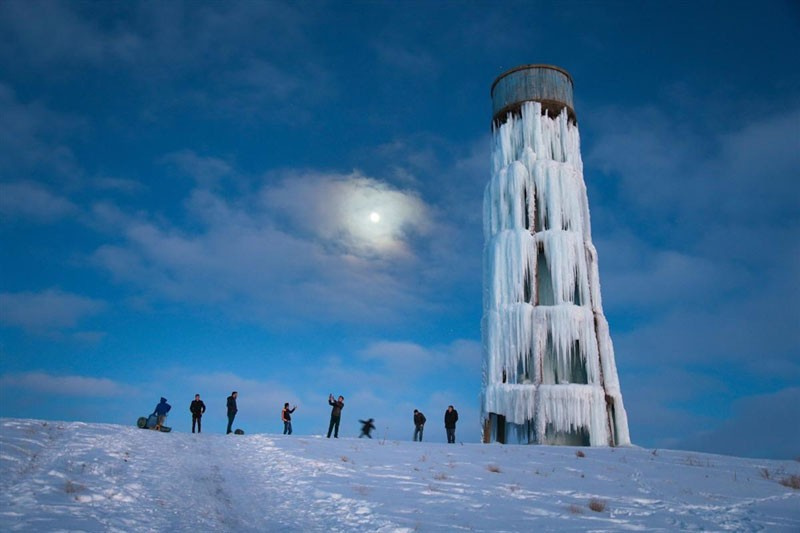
x: 60, y: 476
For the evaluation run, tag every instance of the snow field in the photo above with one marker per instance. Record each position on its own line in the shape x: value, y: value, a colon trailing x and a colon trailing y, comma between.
x: 58, y: 476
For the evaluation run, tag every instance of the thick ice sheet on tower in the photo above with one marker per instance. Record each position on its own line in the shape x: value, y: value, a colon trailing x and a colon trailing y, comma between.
x: 549, y: 368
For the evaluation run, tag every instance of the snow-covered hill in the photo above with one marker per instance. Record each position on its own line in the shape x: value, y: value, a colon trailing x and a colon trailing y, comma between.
x: 60, y: 476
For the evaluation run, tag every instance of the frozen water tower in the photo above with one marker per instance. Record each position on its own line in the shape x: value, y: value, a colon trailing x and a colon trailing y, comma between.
x: 549, y: 375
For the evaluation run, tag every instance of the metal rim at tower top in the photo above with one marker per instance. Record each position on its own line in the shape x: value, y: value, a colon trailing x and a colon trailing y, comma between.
x: 547, y: 84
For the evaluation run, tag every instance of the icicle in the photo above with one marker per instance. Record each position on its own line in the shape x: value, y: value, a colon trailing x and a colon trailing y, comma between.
x: 560, y: 195
x: 566, y: 326
x: 571, y: 407
x: 508, y: 335
x: 509, y: 268
x: 517, y: 402
x: 505, y: 205
x: 566, y: 261
x: 594, y: 277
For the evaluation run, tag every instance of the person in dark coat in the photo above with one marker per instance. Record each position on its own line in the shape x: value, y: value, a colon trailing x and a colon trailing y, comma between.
x: 161, y: 411
x: 232, y: 410
x: 197, y: 408
x: 286, y: 416
x: 366, y: 428
x: 419, y: 425
x: 336, y: 415
x: 450, y: 419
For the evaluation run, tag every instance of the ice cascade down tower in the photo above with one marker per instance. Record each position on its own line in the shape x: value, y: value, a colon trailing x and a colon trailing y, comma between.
x: 549, y: 375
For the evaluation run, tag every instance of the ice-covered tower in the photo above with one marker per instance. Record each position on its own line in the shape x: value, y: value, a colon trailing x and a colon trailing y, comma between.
x: 549, y: 374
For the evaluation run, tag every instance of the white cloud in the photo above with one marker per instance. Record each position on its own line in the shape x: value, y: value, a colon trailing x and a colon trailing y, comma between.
x: 33, y: 201
x: 672, y: 170
x: 335, y: 210
x: 30, y: 139
x: 405, y: 59
x: 89, y: 337
x: 165, y: 45
x: 59, y: 34
x: 303, y: 249
x: 120, y: 185
x: 451, y: 177
x: 408, y: 356
x: 269, y: 80
x: 46, y: 310
x: 635, y: 274
x: 73, y: 386
x: 254, y: 394
x: 207, y: 171
x: 766, y: 425
x: 698, y: 250
x: 413, y: 358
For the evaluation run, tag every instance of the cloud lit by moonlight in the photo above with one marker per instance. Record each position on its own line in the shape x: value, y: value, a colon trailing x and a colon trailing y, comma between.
x: 364, y: 216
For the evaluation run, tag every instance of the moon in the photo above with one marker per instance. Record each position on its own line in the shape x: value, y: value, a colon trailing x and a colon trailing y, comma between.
x: 374, y: 217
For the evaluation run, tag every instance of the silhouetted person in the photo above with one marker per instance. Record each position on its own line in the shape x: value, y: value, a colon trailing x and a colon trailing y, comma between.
x: 450, y: 419
x: 232, y: 410
x: 286, y: 416
x: 336, y: 415
x: 419, y: 425
x: 366, y: 428
x: 197, y: 409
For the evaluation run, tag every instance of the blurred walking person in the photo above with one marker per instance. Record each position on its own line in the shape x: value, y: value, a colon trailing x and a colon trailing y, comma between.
x: 366, y: 428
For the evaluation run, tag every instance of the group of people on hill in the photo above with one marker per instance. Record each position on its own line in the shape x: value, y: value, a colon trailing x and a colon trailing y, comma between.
x: 198, y: 408
x: 450, y: 419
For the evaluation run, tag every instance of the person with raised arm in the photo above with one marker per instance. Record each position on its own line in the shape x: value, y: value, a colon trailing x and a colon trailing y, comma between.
x: 336, y: 415
x: 286, y: 416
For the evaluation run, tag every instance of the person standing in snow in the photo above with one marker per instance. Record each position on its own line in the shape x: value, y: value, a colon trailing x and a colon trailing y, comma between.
x: 286, y: 416
x: 336, y: 415
x: 419, y: 425
x: 450, y: 419
x: 232, y: 410
x: 366, y: 428
x: 197, y: 408
x: 161, y: 411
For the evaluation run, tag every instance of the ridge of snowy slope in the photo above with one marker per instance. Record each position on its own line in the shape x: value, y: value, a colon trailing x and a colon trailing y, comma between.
x: 71, y: 476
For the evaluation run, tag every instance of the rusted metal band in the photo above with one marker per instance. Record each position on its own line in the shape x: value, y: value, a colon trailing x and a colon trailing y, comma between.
x: 552, y: 107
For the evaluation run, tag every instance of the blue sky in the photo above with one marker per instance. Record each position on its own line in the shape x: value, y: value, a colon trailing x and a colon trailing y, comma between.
x: 185, y: 193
